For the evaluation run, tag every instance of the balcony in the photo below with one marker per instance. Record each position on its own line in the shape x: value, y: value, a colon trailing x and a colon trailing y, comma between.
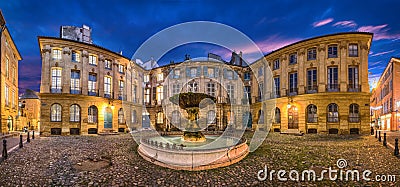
x: 292, y: 91
x: 354, y: 88
x: 93, y: 93
x: 311, y: 89
x: 332, y: 88
x: 56, y: 90
x: 75, y: 91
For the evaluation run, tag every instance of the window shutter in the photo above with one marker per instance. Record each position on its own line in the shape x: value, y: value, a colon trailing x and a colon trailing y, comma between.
x: 205, y: 71
x: 198, y: 72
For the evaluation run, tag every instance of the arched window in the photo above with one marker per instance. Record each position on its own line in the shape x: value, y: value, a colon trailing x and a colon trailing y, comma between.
x: 354, y: 114
x: 134, y: 117
x: 277, y: 115
x: 160, y: 117
x: 333, y: 113
x: 92, y: 114
x: 312, y: 116
x: 74, y: 113
x: 260, y: 117
x: 120, y: 116
x: 176, y: 117
x: 55, y: 112
x: 211, y: 117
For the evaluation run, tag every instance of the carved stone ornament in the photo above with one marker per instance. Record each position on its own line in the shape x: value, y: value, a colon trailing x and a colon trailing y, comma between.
x: 92, y: 70
x: 101, y: 58
x: 75, y: 67
x: 45, y: 50
x: 56, y: 64
x: 311, y: 65
x: 66, y: 50
x: 332, y: 62
x: 108, y: 73
x: 85, y: 54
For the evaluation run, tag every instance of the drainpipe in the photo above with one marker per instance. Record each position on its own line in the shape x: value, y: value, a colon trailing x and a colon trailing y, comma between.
x: 3, y: 26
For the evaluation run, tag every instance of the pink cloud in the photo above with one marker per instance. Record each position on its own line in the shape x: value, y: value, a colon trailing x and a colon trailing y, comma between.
x: 380, y: 32
x: 347, y: 23
x: 322, y: 22
x: 382, y: 53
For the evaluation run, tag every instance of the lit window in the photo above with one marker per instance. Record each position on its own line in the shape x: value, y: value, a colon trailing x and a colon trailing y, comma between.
x: 160, y: 93
x: 75, y: 56
x: 7, y: 95
x: 146, y: 78
x: 332, y: 51
x: 333, y: 114
x: 312, y: 54
x: 92, y: 84
x: 93, y: 60
x: 75, y: 82
x: 57, y: 54
x: 312, y: 116
x: 107, y: 64
x: 160, y: 77
x: 121, y: 68
x: 56, y: 80
x: 107, y: 87
x: 160, y: 117
x: 92, y: 114
x: 353, y: 50
x: 147, y: 96
x: 55, y: 112
x: 74, y: 113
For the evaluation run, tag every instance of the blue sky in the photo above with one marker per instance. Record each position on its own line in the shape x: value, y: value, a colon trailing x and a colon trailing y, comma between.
x: 125, y: 25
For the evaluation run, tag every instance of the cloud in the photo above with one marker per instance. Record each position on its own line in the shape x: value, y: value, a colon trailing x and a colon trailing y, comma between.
x: 380, y: 32
x: 345, y: 24
x: 382, y: 53
x: 322, y: 22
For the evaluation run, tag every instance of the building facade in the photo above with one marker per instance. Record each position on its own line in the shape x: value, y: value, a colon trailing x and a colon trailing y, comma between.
x: 320, y: 85
x: 29, y: 111
x: 385, y: 99
x: 9, y: 58
x: 87, y: 89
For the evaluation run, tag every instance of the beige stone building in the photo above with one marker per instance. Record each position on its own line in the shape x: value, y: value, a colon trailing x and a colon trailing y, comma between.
x: 87, y: 89
x: 320, y: 85
x: 9, y: 56
x: 29, y: 111
x: 385, y: 99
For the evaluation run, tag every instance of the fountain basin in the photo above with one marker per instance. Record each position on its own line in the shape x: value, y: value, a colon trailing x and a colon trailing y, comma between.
x: 191, y: 156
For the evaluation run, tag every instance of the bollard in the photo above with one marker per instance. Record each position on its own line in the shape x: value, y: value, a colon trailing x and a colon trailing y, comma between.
x: 372, y: 130
x: 376, y: 133
x: 4, y: 154
x: 33, y: 135
x: 396, y: 147
x: 28, y: 139
x: 384, y: 139
x: 21, y: 145
x: 379, y: 136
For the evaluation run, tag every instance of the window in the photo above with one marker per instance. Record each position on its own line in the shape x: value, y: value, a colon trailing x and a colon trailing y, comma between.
x: 193, y: 87
x: 276, y: 64
x: 312, y: 54
x: 210, y: 72
x: 332, y: 51
x: 277, y: 86
x: 160, y: 77
x: 92, y: 84
x: 75, y: 56
x: 13, y: 99
x: 147, y: 95
x: 14, y: 75
x: 260, y: 71
x: 92, y: 114
x: 260, y: 90
x: 333, y: 79
x: 311, y: 81
x: 353, y: 79
x: 354, y: 114
x: 333, y: 114
x: 293, y: 58
x: 134, y: 94
x: 56, y: 54
x: 353, y: 50
x: 55, y: 112
x: 176, y: 88
x: 74, y: 113
x: 211, y: 89
x: 146, y: 78
x: 231, y: 92
x: 107, y: 87
x: 160, y: 94
x: 247, y: 76
x: 56, y: 80
x: 247, y: 94
x: 121, y: 84
x: 260, y: 117
x: 160, y: 117
x: 134, y: 117
x: 93, y: 60
x: 121, y: 68
x: 312, y: 116
x: 177, y: 73
x: 293, y: 83
x: 277, y: 115
x: 176, y: 118
x: 211, y: 118
x: 108, y: 64
x: 75, y: 82
x: 120, y: 116
x: 193, y: 72
x: 228, y: 74
x: 7, y: 95
x: 7, y: 67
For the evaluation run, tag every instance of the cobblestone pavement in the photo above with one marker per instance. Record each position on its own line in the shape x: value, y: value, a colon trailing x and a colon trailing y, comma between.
x: 12, y: 141
x: 52, y: 161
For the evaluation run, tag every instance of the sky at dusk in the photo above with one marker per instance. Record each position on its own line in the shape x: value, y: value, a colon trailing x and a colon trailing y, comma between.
x: 125, y: 25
